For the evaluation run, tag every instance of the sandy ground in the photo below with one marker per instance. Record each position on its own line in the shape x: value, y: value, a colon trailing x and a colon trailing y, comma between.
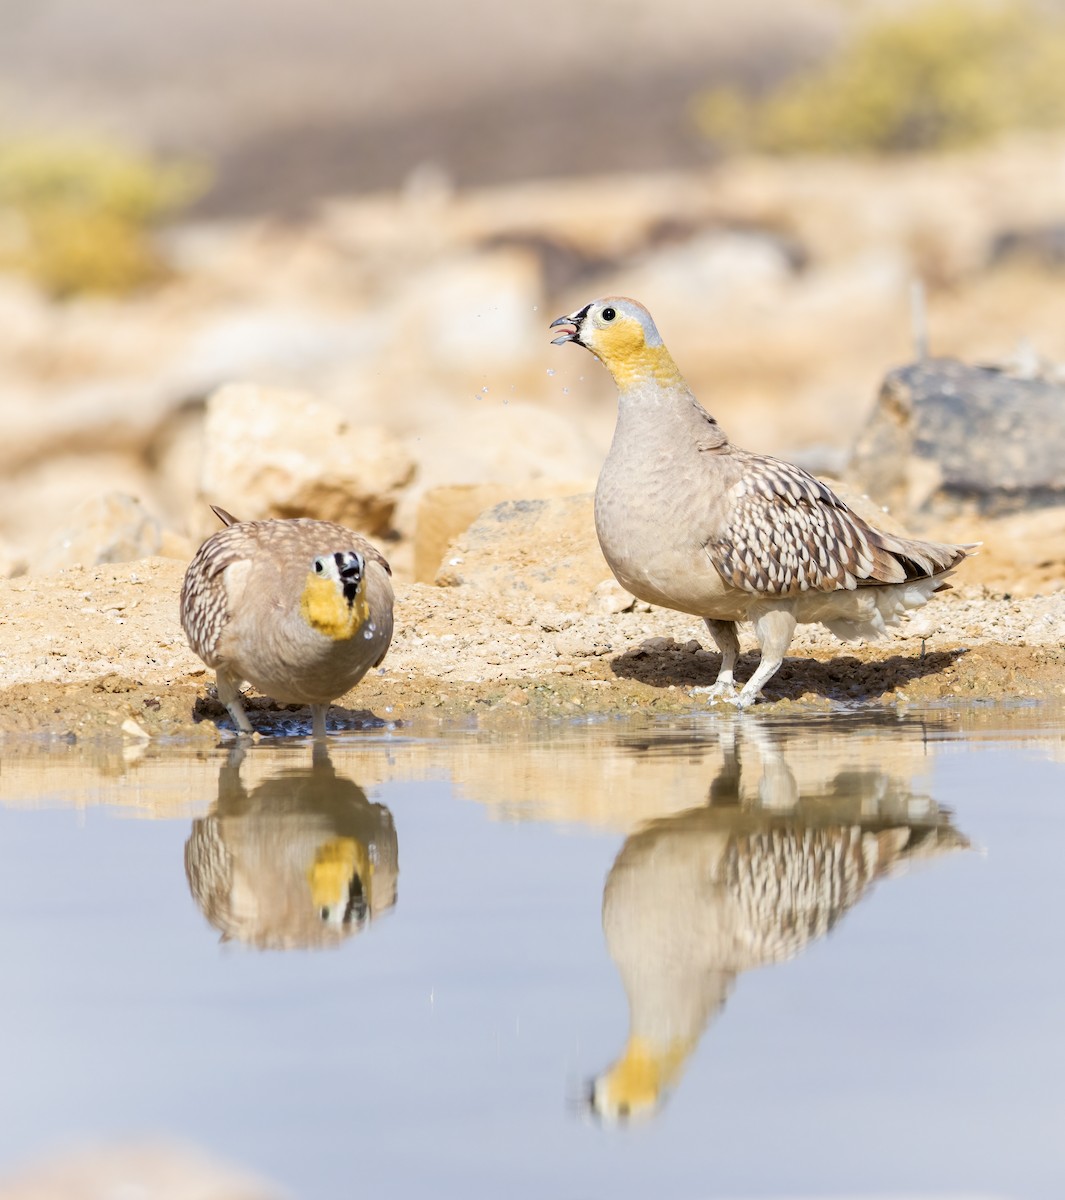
x: 100, y: 651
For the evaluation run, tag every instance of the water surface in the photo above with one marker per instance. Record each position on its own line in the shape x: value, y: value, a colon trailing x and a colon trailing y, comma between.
x: 728, y: 956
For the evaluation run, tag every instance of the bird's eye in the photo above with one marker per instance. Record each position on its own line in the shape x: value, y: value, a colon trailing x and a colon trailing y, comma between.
x: 319, y: 566
x: 608, y: 314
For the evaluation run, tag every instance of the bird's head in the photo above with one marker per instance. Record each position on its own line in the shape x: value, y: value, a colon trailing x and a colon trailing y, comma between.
x: 334, y: 595
x: 341, y: 879
x: 622, y: 335
x: 636, y: 1086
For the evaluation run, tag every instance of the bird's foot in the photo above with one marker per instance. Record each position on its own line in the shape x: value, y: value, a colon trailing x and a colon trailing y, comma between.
x: 724, y: 692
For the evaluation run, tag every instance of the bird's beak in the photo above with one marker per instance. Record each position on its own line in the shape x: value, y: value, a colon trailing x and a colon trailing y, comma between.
x: 573, y: 333
x: 351, y: 571
x: 351, y: 576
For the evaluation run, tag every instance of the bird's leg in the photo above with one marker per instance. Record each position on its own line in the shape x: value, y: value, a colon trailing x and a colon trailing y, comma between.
x: 726, y: 640
x: 777, y: 788
x: 774, y: 629
x: 318, y: 715
x: 229, y: 695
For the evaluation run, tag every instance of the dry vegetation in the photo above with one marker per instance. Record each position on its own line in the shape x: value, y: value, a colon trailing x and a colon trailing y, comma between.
x: 937, y: 76
x: 77, y: 216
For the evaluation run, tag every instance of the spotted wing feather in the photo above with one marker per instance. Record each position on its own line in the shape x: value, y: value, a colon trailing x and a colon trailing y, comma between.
x: 204, y: 600
x: 787, y: 533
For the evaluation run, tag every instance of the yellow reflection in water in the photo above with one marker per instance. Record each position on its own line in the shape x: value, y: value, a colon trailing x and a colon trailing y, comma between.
x: 301, y: 859
x: 752, y: 876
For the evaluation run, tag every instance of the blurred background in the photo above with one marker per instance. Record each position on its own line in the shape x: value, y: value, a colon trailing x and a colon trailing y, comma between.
x: 301, y: 256
x: 289, y: 102
x: 381, y: 208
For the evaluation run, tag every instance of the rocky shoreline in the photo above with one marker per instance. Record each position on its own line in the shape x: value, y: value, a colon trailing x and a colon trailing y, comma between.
x: 386, y: 364
x: 98, y: 652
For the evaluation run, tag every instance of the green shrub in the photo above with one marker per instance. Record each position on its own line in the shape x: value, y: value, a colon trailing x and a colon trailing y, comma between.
x: 78, y: 216
x: 940, y: 75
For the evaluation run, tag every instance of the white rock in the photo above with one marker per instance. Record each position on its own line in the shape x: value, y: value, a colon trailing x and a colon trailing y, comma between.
x: 610, y: 598
x: 277, y: 342
x: 272, y: 453
x: 37, y: 503
x: 715, y: 268
x: 474, y: 311
x: 11, y: 562
x: 509, y: 443
x: 530, y: 551
x: 114, y: 527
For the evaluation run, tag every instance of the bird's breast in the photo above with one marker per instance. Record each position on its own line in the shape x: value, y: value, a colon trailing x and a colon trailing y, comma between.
x: 650, y: 532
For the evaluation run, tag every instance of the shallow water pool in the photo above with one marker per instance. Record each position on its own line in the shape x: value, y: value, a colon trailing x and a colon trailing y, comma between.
x: 729, y: 956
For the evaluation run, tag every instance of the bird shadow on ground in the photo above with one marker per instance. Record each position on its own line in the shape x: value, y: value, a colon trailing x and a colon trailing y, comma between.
x: 841, y: 678
x: 284, y: 720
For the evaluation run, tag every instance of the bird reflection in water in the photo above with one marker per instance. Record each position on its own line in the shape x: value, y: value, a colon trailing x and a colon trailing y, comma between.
x: 302, y: 860
x: 749, y: 879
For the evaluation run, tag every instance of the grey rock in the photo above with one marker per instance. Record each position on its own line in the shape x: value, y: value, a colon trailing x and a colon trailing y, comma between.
x: 946, y: 437
x: 1036, y: 245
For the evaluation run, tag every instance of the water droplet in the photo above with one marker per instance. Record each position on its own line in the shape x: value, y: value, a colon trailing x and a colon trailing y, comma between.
x: 485, y: 388
x: 550, y: 370
x: 536, y: 308
x: 565, y: 391
x: 505, y: 400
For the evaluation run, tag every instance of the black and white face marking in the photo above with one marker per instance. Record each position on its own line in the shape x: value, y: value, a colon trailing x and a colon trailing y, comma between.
x: 354, y: 911
x: 570, y: 335
x: 346, y: 567
x: 597, y: 318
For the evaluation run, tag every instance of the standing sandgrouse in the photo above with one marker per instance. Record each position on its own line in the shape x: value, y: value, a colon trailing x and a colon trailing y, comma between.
x: 691, y: 522
x: 301, y: 609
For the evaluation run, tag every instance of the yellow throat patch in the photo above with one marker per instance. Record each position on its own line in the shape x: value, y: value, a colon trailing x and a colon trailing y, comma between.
x: 335, y: 862
x: 626, y: 355
x: 637, y: 1081
x: 324, y: 608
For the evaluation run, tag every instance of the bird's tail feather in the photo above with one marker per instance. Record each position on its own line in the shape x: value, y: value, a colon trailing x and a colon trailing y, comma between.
x: 901, y: 560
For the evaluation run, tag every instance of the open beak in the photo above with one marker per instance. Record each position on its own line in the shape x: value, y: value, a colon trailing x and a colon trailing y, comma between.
x: 571, y: 334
